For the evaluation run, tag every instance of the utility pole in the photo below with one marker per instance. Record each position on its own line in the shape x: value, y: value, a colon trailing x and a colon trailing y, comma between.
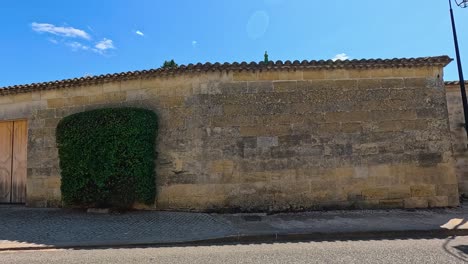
x: 463, y: 4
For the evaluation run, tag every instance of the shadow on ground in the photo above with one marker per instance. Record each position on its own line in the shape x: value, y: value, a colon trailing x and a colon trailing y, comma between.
x: 25, y: 228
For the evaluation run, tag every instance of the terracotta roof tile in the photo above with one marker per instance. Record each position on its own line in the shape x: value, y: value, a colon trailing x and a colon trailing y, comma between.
x: 454, y: 83
x: 252, y: 66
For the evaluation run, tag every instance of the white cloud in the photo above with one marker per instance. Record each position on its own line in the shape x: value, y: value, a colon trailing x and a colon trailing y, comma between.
x: 341, y: 56
x: 69, y: 32
x: 138, y: 32
x: 103, y: 45
x: 194, y: 43
x: 100, y: 47
x: 77, y: 46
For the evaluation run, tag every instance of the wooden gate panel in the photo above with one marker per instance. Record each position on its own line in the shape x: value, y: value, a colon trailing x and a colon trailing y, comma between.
x: 20, y: 141
x: 6, y: 144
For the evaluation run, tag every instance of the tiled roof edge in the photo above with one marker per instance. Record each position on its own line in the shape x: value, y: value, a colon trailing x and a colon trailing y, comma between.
x: 252, y: 66
x: 454, y: 82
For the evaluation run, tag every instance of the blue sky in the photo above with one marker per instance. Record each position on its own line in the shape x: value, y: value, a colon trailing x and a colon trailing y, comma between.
x: 49, y: 40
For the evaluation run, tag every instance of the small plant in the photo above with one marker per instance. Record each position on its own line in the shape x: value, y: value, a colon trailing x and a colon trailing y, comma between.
x: 107, y: 157
x: 169, y: 64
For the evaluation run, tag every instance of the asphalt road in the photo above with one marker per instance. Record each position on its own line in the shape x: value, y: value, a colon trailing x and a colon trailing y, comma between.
x: 450, y: 250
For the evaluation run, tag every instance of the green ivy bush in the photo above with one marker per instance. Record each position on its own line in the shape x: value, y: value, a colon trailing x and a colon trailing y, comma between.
x: 107, y: 157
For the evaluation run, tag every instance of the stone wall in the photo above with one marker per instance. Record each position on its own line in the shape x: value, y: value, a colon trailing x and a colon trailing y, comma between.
x: 455, y: 109
x: 271, y: 139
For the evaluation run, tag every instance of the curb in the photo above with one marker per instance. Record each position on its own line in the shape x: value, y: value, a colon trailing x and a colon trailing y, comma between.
x: 262, y: 239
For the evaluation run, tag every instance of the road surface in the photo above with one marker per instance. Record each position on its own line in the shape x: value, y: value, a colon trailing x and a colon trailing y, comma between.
x: 449, y: 250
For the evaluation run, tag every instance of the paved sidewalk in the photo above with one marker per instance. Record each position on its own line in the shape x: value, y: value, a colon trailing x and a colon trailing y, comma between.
x: 27, y: 228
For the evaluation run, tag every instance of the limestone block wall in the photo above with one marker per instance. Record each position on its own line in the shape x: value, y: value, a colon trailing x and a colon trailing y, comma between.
x: 269, y: 139
x: 459, y: 139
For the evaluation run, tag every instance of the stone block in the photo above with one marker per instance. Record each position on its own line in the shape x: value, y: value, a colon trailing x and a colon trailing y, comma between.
x: 36, y: 96
x: 403, y: 72
x: 429, y: 159
x: 415, y: 82
x: 48, y: 94
x: 389, y: 126
x: 111, y: 87
x: 416, y: 202
x: 346, y: 84
x: 366, y: 149
x: 221, y: 121
x: 278, y: 130
x: 447, y: 189
x: 244, y: 76
x: 6, y: 100
x: 340, y: 174
x: 56, y: 102
x: 46, y: 113
x: 86, y: 90
x: 347, y: 116
x: 399, y: 192
x: 306, y: 151
x: 222, y: 167
x: 97, y: 99
x: 364, y: 204
x: 238, y: 110
x: 267, y: 142
x: 361, y: 172
x: 268, y: 75
x: 426, y: 190
x: 329, y: 128
x: 22, y: 97
x: 282, y: 119
x: 285, y: 86
x: 133, y: 84
x: 52, y: 122
x: 313, y: 74
x: 78, y: 100
x: 291, y: 75
x: 414, y: 125
x: 339, y: 150
x: 380, y: 171
x: 115, y: 97
x: 252, y: 177
x: 453, y: 201
x: 375, y: 193
x: 391, y: 203
x: 172, y: 101
x: 369, y: 84
x: 260, y: 86
x: 393, y: 115
x: 382, y: 73
x: 295, y: 140
x: 438, y: 201
x: 423, y: 72
x: 430, y: 113
x: 248, y: 142
x: 337, y: 74
x: 393, y: 83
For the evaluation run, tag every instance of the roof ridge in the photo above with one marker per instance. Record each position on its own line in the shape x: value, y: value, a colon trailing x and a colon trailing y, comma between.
x: 454, y: 82
x: 235, y: 66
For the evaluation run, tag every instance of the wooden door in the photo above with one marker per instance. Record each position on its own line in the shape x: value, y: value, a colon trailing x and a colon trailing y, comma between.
x: 13, y: 158
x: 19, y: 166
x: 6, y: 155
